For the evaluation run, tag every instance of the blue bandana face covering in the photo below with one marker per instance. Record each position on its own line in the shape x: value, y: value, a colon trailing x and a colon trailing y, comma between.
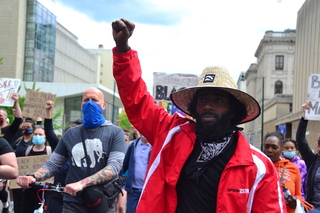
x: 92, y: 115
x: 289, y: 155
x: 38, y: 140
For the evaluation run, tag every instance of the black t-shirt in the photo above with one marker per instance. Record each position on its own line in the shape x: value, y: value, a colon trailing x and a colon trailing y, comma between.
x: 4, y: 146
x: 10, y: 131
x: 19, y: 150
x: 200, y: 194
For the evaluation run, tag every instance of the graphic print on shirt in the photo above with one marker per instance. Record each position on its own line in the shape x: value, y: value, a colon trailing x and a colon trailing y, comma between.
x: 286, y: 175
x: 93, y: 146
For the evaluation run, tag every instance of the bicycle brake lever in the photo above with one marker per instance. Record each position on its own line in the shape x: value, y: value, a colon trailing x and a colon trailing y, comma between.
x: 62, y: 192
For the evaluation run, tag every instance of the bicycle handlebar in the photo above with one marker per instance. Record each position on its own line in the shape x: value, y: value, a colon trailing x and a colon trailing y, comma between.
x: 49, y: 186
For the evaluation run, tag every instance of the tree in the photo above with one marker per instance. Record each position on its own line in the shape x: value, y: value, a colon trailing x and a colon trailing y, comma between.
x: 124, y: 121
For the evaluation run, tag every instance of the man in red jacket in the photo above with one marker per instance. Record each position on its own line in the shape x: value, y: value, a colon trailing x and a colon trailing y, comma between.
x: 204, y: 165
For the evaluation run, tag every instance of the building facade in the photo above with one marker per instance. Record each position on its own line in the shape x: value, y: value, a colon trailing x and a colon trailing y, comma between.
x: 270, y: 81
x: 306, y: 61
x: 36, y: 48
x: 285, y: 60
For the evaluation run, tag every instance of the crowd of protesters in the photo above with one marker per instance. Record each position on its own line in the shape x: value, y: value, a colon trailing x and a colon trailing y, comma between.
x: 170, y: 163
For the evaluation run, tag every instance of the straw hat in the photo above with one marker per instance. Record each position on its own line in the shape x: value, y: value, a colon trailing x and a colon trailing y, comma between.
x: 216, y: 77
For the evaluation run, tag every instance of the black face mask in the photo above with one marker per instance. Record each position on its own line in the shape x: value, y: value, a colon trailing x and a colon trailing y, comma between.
x: 215, y: 132
x: 1, y: 121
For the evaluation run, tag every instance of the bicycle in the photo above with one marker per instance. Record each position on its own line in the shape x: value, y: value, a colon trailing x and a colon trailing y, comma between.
x: 50, y: 188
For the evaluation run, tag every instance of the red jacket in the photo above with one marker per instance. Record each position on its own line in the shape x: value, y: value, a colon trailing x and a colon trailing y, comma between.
x: 249, y: 182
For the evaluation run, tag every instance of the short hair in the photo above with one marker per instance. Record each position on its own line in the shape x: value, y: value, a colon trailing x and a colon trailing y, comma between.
x: 126, y: 131
x: 38, y: 127
x: 78, y: 121
x: 236, y: 107
x: 292, y: 141
x: 276, y: 134
x: 30, y: 120
x: 70, y: 126
x: 4, y: 112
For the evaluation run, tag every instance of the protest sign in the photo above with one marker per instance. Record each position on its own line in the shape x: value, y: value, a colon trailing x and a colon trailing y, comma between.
x: 313, y: 97
x: 34, y: 104
x: 8, y: 86
x: 164, y: 84
x: 28, y: 165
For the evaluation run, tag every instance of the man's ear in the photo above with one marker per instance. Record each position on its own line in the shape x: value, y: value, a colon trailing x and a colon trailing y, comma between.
x: 104, y: 105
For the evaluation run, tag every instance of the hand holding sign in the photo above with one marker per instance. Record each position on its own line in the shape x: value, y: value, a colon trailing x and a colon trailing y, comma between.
x: 305, y: 107
x: 312, y: 107
x: 8, y: 89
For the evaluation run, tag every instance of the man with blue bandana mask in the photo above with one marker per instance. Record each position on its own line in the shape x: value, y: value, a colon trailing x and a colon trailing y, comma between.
x: 92, y: 115
x: 105, y: 147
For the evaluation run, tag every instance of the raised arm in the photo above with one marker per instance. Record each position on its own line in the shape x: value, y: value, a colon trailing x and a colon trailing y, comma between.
x: 48, y: 126
x: 49, y: 106
x: 122, y: 30
x: 17, y: 112
x: 303, y: 146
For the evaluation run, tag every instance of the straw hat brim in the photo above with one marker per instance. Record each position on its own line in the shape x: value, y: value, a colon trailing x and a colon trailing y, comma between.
x: 183, y: 98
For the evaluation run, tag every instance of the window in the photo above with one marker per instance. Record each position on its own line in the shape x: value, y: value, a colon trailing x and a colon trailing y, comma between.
x: 290, y: 107
x: 72, y: 108
x: 278, y: 87
x: 279, y: 62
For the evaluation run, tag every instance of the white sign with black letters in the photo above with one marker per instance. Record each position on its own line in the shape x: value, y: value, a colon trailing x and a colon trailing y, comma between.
x: 8, y: 86
x: 164, y: 84
x: 313, y: 97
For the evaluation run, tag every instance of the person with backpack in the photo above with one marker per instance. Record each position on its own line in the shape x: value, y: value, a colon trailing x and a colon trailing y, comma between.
x: 96, y: 139
x: 25, y: 140
x: 39, y: 146
x: 19, y: 145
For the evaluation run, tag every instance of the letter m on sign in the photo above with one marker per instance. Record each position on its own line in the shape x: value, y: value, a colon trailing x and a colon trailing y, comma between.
x: 314, y: 97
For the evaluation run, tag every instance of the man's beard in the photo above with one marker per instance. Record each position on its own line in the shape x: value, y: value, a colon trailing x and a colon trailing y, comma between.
x: 214, y: 132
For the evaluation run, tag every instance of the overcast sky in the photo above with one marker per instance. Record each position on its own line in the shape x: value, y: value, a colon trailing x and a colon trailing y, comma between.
x: 175, y: 36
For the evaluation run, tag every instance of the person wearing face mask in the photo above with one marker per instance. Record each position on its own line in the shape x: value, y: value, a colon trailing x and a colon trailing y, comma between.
x: 39, y: 146
x: 105, y: 147
x: 289, y: 150
x: 289, y: 174
x: 9, y: 131
x: 19, y: 146
x: 24, y: 141
x: 30, y: 201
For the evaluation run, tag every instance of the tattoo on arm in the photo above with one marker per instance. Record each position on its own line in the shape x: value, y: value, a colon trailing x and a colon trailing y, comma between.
x: 42, y: 174
x: 104, y: 175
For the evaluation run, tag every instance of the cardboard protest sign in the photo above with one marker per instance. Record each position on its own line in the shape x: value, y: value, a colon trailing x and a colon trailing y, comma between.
x: 8, y: 86
x: 164, y: 84
x: 313, y: 97
x: 34, y: 104
x: 28, y: 165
